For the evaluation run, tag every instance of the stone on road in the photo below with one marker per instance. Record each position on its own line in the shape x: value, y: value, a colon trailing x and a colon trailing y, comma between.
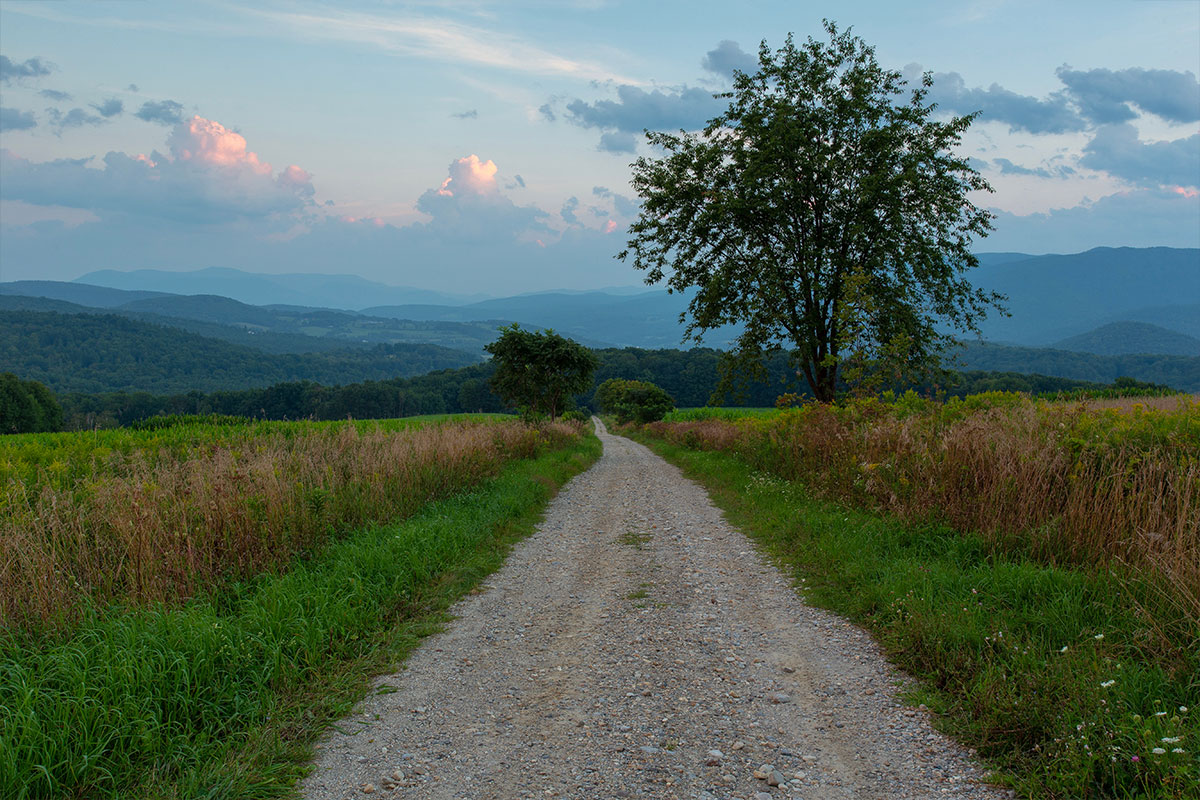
x: 639, y: 646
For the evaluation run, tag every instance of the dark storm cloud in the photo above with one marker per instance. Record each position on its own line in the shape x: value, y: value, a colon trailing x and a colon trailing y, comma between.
x: 636, y: 109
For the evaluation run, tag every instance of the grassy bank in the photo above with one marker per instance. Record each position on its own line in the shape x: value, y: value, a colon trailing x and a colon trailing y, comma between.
x: 221, y: 696
x: 1072, y: 681
x: 165, y: 514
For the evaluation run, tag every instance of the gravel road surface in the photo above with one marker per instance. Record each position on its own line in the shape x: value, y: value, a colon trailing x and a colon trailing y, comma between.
x: 638, y: 646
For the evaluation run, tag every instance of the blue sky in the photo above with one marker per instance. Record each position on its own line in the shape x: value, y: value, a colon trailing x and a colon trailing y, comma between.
x: 482, y: 146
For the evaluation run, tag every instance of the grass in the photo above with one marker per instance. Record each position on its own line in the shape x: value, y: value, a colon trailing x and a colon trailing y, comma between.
x: 222, y: 697
x: 1071, y: 485
x: 1058, y: 679
x: 166, y: 514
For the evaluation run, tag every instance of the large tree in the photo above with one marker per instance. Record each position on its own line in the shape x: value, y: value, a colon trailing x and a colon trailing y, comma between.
x: 824, y: 211
x: 539, y: 372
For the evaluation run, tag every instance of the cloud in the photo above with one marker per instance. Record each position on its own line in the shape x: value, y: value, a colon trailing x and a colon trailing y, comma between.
x: 1104, y: 96
x: 54, y: 94
x: 163, y: 112
x: 469, y: 206
x: 568, y: 211
x: 472, y: 114
x: 133, y: 87
x: 1138, y: 218
x: 726, y: 57
x: 1009, y: 168
x: 12, y: 119
x: 75, y: 118
x: 1055, y: 114
x: 30, y: 68
x: 623, y: 205
x: 616, y: 142
x: 110, y: 107
x: 519, y: 180
x: 208, y: 177
x: 1117, y: 150
x: 547, y: 111
x: 440, y: 38
x: 636, y: 110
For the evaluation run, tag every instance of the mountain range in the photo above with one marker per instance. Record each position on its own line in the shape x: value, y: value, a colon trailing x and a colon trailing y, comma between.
x: 1107, y: 302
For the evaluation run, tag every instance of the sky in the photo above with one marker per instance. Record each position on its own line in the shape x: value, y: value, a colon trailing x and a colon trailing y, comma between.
x: 484, y: 147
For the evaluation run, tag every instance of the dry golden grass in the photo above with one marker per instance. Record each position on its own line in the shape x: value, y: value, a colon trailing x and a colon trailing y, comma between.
x: 164, y: 529
x: 1068, y: 482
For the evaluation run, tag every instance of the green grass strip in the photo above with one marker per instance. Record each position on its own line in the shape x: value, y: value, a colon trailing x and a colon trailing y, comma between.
x: 223, y: 699
x: 1045, y: 671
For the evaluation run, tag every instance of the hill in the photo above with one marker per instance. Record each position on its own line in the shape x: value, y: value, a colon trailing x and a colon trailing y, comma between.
x: 1120, y: 338
x: 79, y: 293
x: 1178, y: 372
x: 103, y: 353
x: 1057, y: 296
x: 303, y: 289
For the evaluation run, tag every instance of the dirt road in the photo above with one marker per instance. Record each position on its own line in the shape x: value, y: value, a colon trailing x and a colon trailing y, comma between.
x: 638, y: 646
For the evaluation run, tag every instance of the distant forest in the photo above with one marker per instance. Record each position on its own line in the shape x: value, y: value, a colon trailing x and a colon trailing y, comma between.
x: 689, y: 376
x: 104, y: 353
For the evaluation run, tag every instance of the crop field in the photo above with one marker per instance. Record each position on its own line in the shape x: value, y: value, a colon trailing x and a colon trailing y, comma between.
x: 1036, y: 563
x: 186, y: 606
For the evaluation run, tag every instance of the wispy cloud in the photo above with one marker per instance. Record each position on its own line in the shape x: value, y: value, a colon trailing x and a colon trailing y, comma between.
x: 438, y: 38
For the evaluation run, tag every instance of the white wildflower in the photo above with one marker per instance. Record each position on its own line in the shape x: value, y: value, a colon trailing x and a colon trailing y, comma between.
x: 1158, y: 751
x: 1107, y: 684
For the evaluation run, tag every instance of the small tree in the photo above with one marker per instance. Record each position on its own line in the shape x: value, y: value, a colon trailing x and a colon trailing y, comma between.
x: 827, y: 216
x: 539, y: 372
x: 633, y: 401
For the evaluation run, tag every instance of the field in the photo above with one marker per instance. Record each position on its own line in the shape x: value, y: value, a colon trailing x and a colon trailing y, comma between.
x: 186, y: 607
x: 1036, y: 563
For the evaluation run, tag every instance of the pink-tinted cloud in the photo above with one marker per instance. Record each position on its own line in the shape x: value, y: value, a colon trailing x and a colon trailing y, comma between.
x: 205, y: 141
x: 610, y: 226
x: 470, y: 175
x: 1186, y: 192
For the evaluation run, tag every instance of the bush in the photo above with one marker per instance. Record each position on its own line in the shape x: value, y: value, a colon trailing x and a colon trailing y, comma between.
x: 633, y: 401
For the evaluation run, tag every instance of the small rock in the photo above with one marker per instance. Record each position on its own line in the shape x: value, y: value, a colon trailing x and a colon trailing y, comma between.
x: 739, y: 744
x: 713, y: 758
x: 398, y: 775
x: 367, y: 788
x: 649, y: 748
x: 776, y: 778
x: 789, y: 670
x: 778, y: 697
x: 762, y: 796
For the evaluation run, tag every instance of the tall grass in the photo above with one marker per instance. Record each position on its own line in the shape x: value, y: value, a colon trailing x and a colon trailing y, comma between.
x: 1063, y: 482
x: 164, y: 516
x: 222, y: 696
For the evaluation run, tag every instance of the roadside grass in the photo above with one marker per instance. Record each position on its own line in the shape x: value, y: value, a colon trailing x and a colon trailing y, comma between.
x: 224, y: 696
x: 1051, y: 673
x: 717, y: 412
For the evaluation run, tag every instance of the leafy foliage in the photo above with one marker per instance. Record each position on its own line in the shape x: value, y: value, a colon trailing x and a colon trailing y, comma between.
x: 104, y: 353
x: 831, y: 220
x: 27, y: 406
x: 539, y: 372
x: 633, y: 401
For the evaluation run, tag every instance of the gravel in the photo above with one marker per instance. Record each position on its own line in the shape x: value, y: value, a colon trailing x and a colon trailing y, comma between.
x: 638, y: 646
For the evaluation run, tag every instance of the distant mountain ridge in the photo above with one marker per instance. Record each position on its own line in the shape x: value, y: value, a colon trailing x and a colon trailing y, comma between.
x: 261, y: 289
x: 1127, y: 338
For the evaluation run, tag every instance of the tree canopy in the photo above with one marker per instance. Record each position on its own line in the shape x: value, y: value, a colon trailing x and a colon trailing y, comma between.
x: 539, y: 372
x: 822, y: 212
x: 633, y: 401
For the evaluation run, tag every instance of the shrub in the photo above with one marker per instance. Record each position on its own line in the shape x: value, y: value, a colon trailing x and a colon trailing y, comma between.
x: 633, y: 401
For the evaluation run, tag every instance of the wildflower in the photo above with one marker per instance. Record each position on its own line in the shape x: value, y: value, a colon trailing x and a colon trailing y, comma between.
x: 1160, y: 713
x: 1098, y: 636
x: 1158, y: 751
x: 1064, y: 649
x: 1170, y: 739
x: 1107, y: 684
x: 1183, y: 709
x: 1135, y: 758
x: 1177, y: 750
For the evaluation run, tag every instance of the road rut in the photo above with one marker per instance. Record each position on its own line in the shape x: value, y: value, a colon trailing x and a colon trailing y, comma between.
x: 639, y: 646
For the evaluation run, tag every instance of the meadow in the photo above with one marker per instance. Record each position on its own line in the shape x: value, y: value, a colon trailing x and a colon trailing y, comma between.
x: 1035, y: 563
x: 186, y: 607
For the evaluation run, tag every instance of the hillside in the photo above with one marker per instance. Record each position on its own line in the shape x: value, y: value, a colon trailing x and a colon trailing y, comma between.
x: 302, y: 289
x: 1121, y: 338
x: 1057, y: 296
x: 1179, y: 372
x: 104, y: 353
